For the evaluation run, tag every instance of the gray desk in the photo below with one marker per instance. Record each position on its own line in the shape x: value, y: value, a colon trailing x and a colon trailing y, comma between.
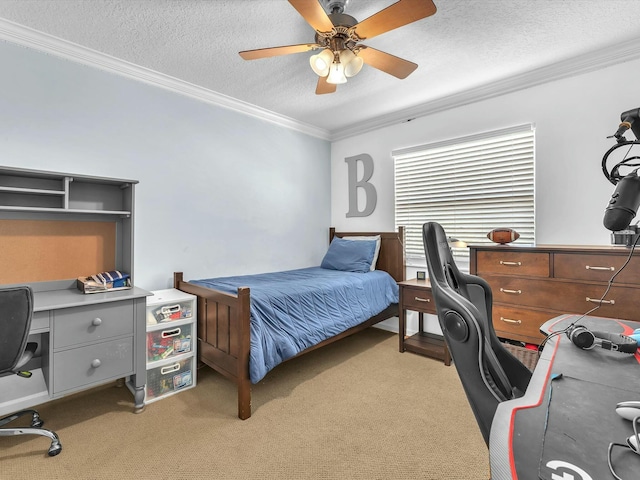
x: 85, y: 340
x: 569, y: 419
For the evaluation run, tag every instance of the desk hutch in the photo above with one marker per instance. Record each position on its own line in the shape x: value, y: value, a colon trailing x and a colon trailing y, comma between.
x: 55, y: 227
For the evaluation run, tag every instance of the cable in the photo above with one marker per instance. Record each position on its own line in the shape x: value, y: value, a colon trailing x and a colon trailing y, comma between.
x: 613, y: 176
x: 627, y: 447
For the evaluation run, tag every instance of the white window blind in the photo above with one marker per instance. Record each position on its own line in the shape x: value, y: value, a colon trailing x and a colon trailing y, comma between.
x: 469, y: 185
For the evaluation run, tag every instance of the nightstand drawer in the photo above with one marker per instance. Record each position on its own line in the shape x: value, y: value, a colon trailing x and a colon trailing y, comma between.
x: 418, y: 299
x: 92, y: 323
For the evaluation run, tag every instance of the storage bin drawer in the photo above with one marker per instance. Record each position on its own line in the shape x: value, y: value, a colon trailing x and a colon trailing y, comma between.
x: 597, y: 268
x: 169, y: 305
x: 78, y: 367
x: 513, y: 263
x: 169, y: 378
x: 418, y: 299
x: 169, y: 342
x: 92, y: 323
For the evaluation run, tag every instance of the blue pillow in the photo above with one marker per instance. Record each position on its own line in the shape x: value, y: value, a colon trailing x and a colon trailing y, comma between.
x: 349, y: 256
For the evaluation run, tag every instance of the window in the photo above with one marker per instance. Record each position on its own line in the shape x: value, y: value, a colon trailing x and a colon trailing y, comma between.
x: 469, y: 185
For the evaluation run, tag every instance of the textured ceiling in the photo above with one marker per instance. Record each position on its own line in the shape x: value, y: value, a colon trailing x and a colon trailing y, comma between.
x: 466, y: 44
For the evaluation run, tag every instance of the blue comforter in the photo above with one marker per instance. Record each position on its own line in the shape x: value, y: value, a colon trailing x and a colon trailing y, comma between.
x: 296, y: 309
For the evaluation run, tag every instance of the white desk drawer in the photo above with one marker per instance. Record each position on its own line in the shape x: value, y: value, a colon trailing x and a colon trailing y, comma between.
x: 87, y: 324
x: 39, y: 322
x: 78, y: 367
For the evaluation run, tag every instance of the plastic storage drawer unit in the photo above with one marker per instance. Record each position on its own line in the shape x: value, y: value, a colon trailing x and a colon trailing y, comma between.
x: 171, y: 343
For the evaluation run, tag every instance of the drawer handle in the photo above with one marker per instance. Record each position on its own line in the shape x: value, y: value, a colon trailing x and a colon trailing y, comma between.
x: 96, y: 321
x: 170, y: 368
x: 597, y: 300
x: 96, y: 363
x: 608, y: 269
x: 171, y: 333
x: 169, y: 309
x: 511, y: 264
x: 422, y: 299
x: 515, y: 292
x: 509, y: 320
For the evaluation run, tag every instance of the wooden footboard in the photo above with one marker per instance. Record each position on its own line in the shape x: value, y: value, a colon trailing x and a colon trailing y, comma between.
x: 224, y: 335
x: 224, y: 319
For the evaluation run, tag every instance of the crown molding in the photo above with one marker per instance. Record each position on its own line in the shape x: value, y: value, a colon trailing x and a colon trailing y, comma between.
x: 27, y: 37
x: 613, y: 55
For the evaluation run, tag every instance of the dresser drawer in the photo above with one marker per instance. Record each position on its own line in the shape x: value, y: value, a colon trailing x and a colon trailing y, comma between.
x: 565, y: 297
x: 598, y: 268
x: 418, y: 299
x: 519, y: 323
x: 78, y: 325
x: 512, y: 263
x: 84, y: 366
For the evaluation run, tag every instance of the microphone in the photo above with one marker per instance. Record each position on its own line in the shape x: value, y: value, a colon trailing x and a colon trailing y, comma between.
x: 629, y: 120
x: 623, y: 204
x: 624, y: 126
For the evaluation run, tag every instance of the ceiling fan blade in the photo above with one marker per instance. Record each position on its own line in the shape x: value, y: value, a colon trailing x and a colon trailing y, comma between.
x: 313, y: 13
x: 275, y: 51
x: 324, y: 86
x: 400, y: 13
x: 386, y: 62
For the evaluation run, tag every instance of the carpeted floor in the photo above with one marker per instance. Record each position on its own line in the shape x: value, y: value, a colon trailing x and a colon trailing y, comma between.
x: 357, y: 409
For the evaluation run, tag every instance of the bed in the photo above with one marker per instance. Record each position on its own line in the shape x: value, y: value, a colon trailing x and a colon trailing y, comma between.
x: 228, y: 319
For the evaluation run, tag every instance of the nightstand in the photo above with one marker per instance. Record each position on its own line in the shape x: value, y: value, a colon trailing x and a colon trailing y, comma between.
x: 416, y: 295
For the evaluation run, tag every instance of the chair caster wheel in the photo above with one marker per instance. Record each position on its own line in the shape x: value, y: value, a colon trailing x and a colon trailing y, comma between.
x: 54, y: 449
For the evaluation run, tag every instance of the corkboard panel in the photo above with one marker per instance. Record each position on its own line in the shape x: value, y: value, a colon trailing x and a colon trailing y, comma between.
x: 45, y: 250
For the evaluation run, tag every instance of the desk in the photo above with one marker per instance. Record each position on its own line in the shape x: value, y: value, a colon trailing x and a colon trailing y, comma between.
x: 84, y: 340
x: 580, y: 407
x: 416, y: 295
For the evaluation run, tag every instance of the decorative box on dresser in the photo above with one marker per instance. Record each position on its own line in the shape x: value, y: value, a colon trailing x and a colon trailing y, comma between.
x: 532, y: 284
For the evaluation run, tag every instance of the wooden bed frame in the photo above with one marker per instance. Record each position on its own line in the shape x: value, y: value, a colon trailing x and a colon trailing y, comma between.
x: 224, y: 324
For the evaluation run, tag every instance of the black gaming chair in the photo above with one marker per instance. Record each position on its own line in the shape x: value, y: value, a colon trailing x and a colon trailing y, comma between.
x: 16, y: 310
x: 489, y: 373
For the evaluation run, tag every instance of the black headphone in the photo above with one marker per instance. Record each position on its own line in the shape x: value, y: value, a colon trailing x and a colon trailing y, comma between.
x: 584, y: 338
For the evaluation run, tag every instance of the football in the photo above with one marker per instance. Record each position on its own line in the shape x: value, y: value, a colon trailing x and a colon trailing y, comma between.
x: 503, y: 235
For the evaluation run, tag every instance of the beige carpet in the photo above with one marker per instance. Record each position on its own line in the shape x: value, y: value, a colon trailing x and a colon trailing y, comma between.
x: 357, y: 409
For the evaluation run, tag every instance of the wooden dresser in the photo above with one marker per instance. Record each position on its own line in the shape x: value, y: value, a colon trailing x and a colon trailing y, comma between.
x: 533, y: 284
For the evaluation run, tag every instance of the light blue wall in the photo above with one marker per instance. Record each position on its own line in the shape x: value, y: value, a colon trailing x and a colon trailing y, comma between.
x: 220, y: 192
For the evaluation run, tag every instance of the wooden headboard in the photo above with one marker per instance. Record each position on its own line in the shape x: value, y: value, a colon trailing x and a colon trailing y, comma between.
x: 391, y: 257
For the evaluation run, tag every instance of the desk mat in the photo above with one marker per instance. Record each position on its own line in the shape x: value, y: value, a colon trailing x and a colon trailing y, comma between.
x: 585, y: 443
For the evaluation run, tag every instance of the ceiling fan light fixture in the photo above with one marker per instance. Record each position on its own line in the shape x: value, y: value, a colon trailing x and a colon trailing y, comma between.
x: 321, y: 62
x: 352, y: 68
x: 336, y: 74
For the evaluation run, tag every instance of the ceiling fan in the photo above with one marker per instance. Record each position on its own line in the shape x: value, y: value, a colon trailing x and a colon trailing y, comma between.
x: 338, y: 35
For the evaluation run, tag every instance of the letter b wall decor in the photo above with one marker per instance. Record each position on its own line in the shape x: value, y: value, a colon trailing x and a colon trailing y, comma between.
x: 371, y: 197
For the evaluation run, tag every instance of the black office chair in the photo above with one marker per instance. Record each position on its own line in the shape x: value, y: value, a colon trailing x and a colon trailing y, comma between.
x: 489, y: 373
x: 16, y: 310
